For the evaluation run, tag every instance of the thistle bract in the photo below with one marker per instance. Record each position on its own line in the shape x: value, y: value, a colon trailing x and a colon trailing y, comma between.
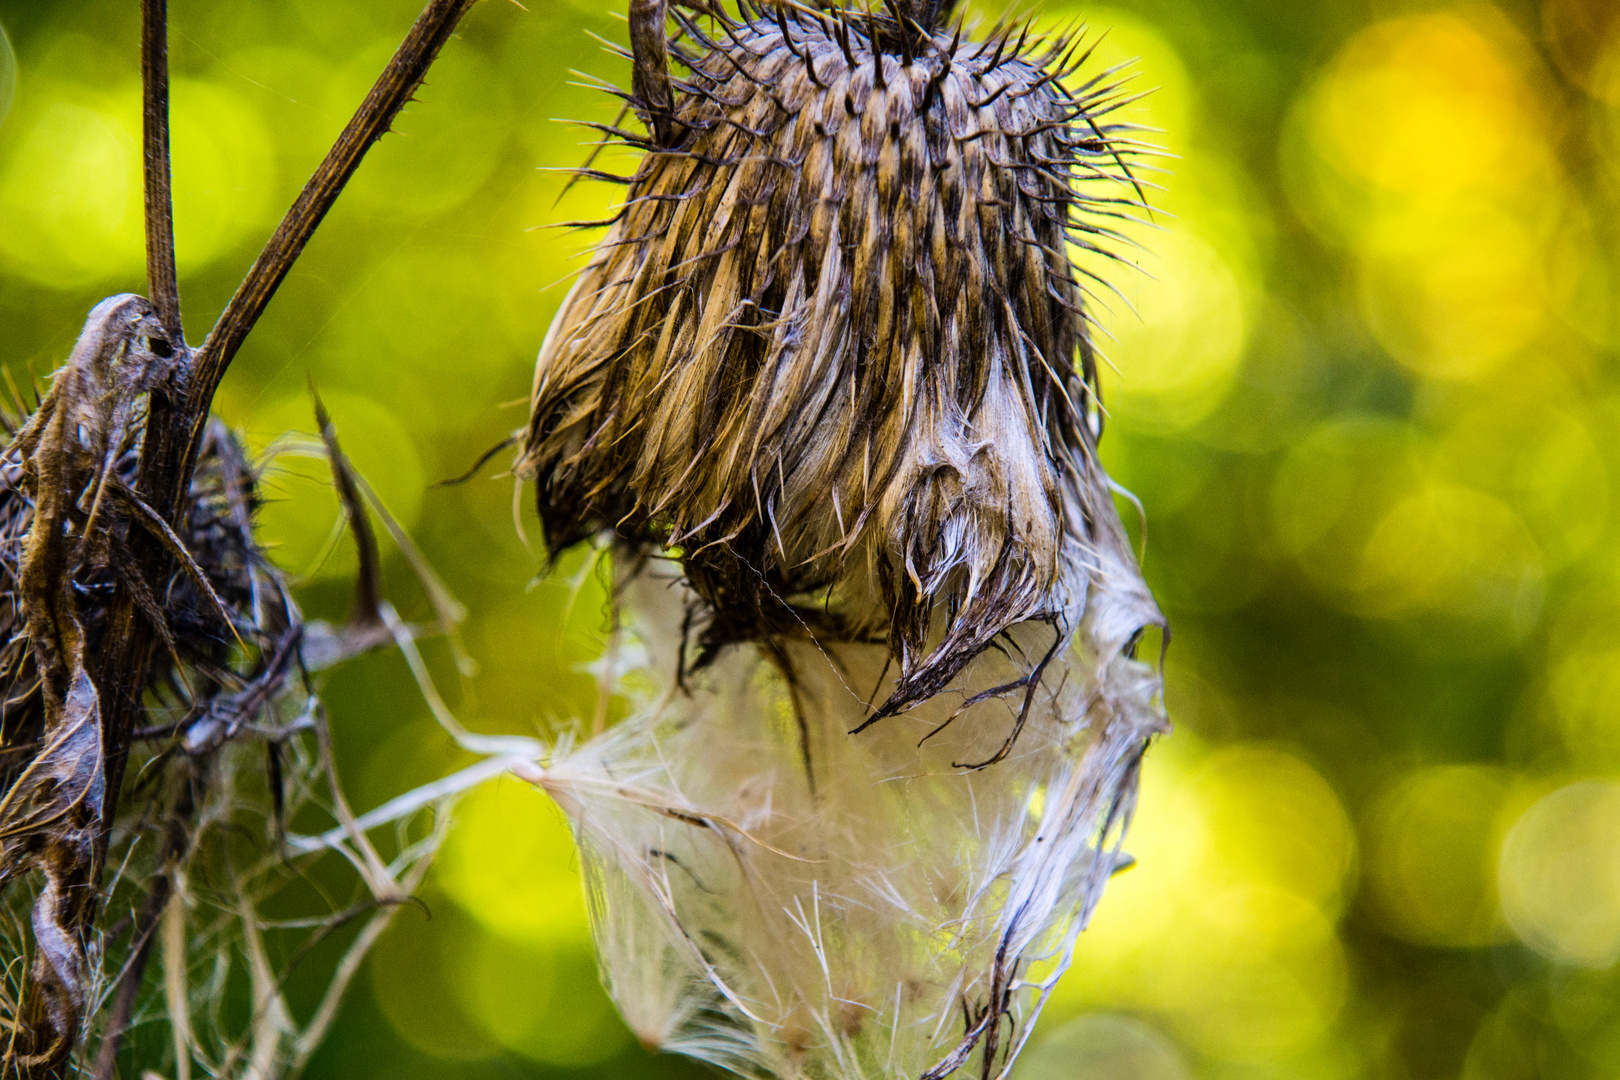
x: 833, y: 358
x: 834, y: 347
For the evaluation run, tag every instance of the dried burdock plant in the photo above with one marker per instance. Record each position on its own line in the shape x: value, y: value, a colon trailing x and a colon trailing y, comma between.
x: 157, y: 724
x: 828, y: 385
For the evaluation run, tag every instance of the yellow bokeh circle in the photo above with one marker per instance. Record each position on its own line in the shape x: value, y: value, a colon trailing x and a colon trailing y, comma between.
x: 1454, y: 554
x: 1453, y: 295
x: 512, y: 865
x: 1249, y: 853
x: 70, y: 197
x: 1178, y: 357
x: 1426, y: 105
x: 1560, y: 874
x: 71, y: 208
x: 1431, y: 851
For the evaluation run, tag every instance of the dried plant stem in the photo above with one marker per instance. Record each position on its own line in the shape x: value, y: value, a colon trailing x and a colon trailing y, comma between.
x: 390, y: 93
x: 176, y: 844
x: 160, y: 266
x: 177, y: 419
x: 173, y: 934
x: 94, y: 698
x: 315, y: 1031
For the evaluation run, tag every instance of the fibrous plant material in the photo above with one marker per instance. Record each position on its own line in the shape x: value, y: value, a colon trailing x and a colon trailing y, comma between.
x: 150, y: 646
x: 785, y: 899
x: 234, y: 743
x: 828, y: 387
x: 836, y: 338
x: 61, y: 466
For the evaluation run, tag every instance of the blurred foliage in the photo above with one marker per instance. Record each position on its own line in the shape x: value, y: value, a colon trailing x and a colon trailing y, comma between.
x: 1369, y: 398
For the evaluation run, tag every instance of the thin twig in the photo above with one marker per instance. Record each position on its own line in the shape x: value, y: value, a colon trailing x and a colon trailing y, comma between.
x: 177, y: 417
x: 363, y: 611
x: 392, y: 90
x: 176, y: 844
x: 162, y: 279
x: 326, y: 1012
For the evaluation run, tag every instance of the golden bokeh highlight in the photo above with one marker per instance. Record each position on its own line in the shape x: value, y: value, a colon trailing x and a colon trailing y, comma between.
x: 1248, y: 853
x: 1560, y: 874
x: 70, y: 201
x: 1452, y: 297
x: 511, y: 865
x: 1453, y: 553
x: 1427, y: 106
x: 1423, y: 148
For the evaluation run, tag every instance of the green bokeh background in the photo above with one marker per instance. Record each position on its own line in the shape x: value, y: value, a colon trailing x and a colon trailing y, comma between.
x: 1368, y: 396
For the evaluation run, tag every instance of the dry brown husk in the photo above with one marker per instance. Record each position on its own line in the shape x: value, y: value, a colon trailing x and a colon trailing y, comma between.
x: 837, y: 336
x: 231, y: 740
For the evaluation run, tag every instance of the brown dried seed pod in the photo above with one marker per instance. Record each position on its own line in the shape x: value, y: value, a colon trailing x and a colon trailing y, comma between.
x: 69, y: 511
x: 834, y: 350
x: 218, y: 534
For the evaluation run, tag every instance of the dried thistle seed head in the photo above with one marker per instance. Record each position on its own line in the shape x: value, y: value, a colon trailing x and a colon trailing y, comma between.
x: 218, y: 532
x: 834, y: 347
x: 85, y: 432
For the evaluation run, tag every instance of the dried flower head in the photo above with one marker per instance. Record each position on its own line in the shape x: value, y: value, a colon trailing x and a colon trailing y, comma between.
x: 71, y: 520
x: 833, y: 358
x: 217, y: 532
x: 221, y: 754
x: 834, y: 349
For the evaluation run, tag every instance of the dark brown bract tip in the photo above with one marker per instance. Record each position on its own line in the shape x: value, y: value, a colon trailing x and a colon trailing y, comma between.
x: 835, y: 348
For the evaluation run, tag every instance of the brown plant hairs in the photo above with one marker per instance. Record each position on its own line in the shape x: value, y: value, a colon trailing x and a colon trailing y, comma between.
x: 834, y: 352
